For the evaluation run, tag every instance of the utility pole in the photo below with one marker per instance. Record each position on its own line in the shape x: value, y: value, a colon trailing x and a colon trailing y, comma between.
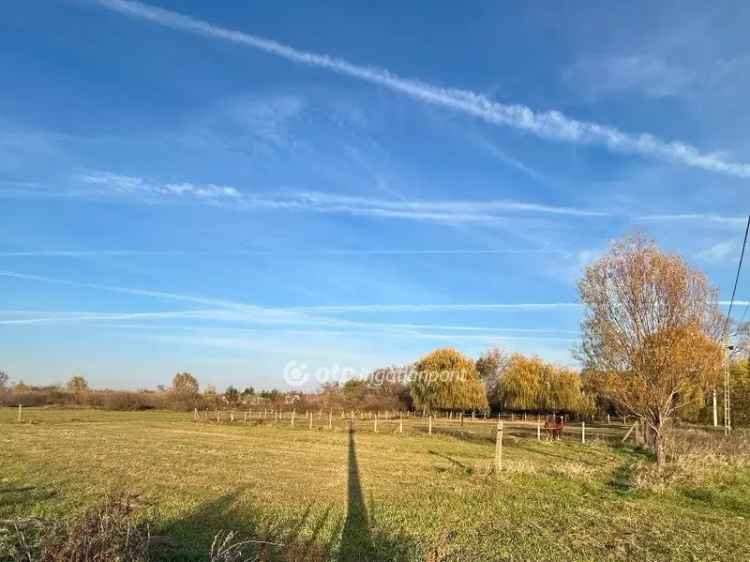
x: 727, y: 403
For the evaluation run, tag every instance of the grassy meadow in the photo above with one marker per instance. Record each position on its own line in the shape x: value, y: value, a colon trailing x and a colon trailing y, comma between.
x: 365, y: 496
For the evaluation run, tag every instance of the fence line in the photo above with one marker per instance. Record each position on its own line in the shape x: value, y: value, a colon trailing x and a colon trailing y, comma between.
x: 479, y: 428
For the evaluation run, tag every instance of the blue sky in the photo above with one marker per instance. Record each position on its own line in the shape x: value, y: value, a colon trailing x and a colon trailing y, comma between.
x: 225, y: 188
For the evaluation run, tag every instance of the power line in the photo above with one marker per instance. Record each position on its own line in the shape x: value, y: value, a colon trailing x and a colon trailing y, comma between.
x: 727, y: 406
x: 737, y: 278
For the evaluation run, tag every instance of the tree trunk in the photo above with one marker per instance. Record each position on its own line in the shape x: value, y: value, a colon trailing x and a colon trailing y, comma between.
x: 658, y: 429
x: 659, y: 448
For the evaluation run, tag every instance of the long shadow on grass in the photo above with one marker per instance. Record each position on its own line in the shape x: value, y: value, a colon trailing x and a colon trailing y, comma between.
x: 622, y: 477
x: 190, y: 538
x: 361, y: 539
x: 12, y: 496
x: 457, y: 464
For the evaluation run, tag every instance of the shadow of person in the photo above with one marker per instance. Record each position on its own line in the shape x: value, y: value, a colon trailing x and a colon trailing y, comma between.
x: 363, y: 539
x: 356, y: 542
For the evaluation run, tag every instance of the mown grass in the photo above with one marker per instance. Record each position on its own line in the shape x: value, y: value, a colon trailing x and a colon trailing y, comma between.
x: 378, y: 496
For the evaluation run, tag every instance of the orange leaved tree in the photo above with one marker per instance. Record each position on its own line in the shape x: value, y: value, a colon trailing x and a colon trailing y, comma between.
x: 652, y: 328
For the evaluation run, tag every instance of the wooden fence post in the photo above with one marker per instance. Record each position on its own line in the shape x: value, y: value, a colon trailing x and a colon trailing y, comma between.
x: 400, y: 422
x: 583, y: 432
x: 429, y: 425
x: 20, y: 413
x: 231, y: 415
x: 293, y: 413
x: 375, y: 426
x: 499, y: 447
x: 538, y: 430
x: 195, y: 414
x: 330, y: 419
x: 309, y: 423
x: 629, y: 432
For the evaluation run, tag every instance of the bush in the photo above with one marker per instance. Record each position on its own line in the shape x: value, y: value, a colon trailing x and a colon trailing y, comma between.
x: 695, y: 456
x: 108, y: 532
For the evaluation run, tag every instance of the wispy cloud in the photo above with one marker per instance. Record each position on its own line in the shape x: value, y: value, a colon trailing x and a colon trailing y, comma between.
x: 277, y: 253
x: 444, y: 211
x: 130, y: 184
x: 494, y: 151
x: 284, y: 313
x: 56, y: 318
x: 549, y: 124
x: 650, y: 75
x: 223, y: 317
x: 163, y: 295
x: 721, y: 252
x: 438, y: 307
x: 694, y: 217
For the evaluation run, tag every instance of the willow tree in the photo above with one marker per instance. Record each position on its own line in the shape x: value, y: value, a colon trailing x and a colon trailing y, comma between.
x: 651, y: 326
x: 562, y: 391
x: 521, y: 383
x: 447, y: 380
x: 530, y: 383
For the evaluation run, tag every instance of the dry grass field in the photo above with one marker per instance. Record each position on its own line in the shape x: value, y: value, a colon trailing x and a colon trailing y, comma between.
x: 364, y: 496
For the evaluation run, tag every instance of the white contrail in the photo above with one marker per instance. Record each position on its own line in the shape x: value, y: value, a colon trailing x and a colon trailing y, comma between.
x: 233, y: 310
x: 547, y: 124
x: 436, y: 307
x: 273, y: 253
x: 695, y: 217
x: 446, y: 211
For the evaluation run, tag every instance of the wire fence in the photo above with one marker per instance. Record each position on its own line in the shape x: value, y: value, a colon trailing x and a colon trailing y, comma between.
x: 480, y: 428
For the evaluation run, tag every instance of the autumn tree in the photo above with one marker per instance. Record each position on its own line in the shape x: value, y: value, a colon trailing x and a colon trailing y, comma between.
x: 4, y: 379
x: 490, y: 366
x: 77, y: 384
x: 447, y: 380
x: 740, y: 386
x: 232, y: 395
x: 521, y: 383
x: 530, y: 383
x: 185, y: 384
x: 651, y: 329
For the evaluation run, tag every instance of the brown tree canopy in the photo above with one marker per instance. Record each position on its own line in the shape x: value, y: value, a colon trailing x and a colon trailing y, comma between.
x: 185, y: 384
x: 652, y: 330
x: 77, y: 384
